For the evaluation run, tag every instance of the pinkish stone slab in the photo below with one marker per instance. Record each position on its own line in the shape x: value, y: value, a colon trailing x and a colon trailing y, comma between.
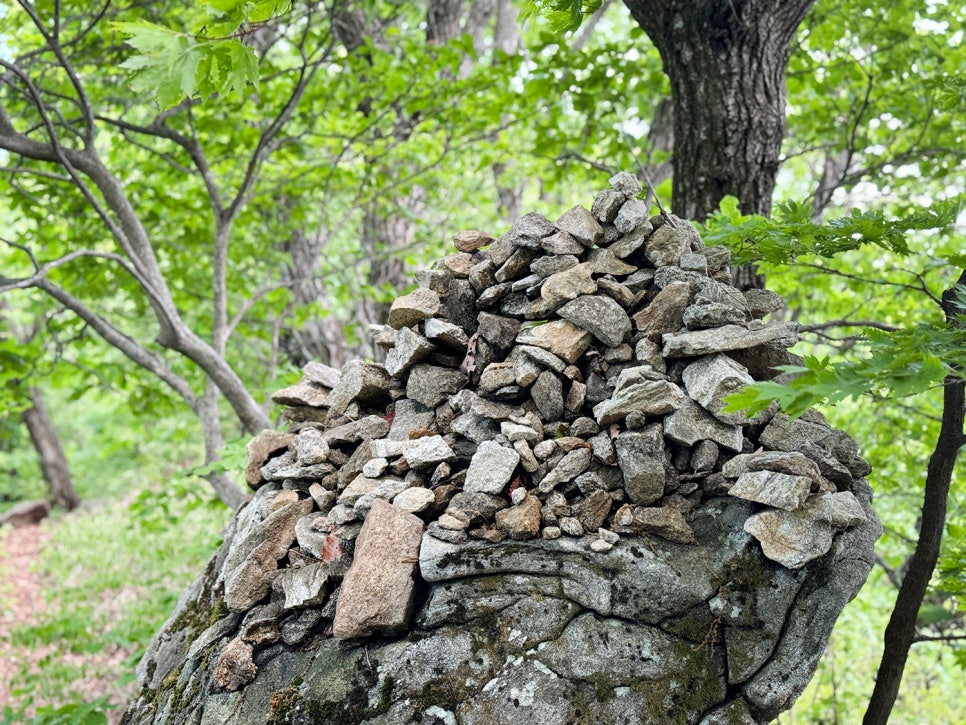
x: 377, y: 593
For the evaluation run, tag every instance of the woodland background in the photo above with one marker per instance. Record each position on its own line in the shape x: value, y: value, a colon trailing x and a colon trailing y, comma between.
x: 197, y: 199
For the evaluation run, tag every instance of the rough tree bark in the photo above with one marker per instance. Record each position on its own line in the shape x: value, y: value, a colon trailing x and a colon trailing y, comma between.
x: 53, y: 462
x: 901, y: 631
x: 726, y: 62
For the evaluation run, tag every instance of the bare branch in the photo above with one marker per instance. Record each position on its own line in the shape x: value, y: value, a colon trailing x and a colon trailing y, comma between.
x: 130, y: 347
x: 850, y: 323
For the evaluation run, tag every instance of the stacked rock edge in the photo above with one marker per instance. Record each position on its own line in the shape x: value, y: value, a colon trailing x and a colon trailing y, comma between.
x: 536, y: 509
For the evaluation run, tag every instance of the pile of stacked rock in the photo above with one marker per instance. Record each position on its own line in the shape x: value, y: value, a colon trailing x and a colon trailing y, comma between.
x: 560, y: 387
x: 567, y: 381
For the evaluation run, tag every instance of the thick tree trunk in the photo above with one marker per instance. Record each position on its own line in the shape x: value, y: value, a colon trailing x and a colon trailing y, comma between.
x: 726, y: 61
x: 901, y: 631
x: 53, y: 462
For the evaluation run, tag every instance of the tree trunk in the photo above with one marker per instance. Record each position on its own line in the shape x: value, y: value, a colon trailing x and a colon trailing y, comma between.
x: 726, y: 61
x: 901, y: 630
x: 53, y: 462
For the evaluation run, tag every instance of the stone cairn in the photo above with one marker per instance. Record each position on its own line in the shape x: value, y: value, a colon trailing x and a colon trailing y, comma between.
x: 543, y: 466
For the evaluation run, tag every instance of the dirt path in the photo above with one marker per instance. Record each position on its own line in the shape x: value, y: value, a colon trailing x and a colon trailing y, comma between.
x: 20, y: 595
x: 22, y: 600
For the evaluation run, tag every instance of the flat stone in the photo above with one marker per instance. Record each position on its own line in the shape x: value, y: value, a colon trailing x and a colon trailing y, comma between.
x: 495, y: 376
x: 729, y: 337
x: 581, y: 225
x: 666, y: 522
x: 638, y: 394
x: 561, y: 243
x: 599, y: 315
x: 703, y: 315
x: 364, y: 429
x: 521, y: 521
x: 491, y: 468
x: 516, y: 432
x: 445, y: 333
x: 569, y: 284
x: 564, y: 339
x: 260, y: 449
x: 321, y: 374
x: 778, y: 490
x: 386, y: 490
x: 691, y: 423
x: 428, y: 452
x: 709, y: 380
x: 409, y: 310
x: 303, y: 393
x: 414, y: 500
x: 471, y: 240
x: 357, y: 488
x: 640, y: 455
x: 361, y: 382
x: 553, y: 263
x: 410, y: 416
x: 840, y: 509
x: 377, y: 592
x: 792, y: 538
x: 632, y: 241
x: 431, y: 384
x: 665, y: 314
x: 410, y: 348
x: 791, y: 462
x: 567, y: 469
x: 604, y: 261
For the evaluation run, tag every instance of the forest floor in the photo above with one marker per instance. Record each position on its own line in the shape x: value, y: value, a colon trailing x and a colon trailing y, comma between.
x: 22, y: 603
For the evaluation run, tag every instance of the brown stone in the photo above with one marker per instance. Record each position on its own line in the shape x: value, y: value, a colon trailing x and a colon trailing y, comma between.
x: 27, y: 513
x: 470, y: 241
x: 302, y: 393
x: 260, y: 448
x: 521, y: 521
x: 377, y: 593
x: 664, y: 522
x: 592, y: 511
x: 235, y: 667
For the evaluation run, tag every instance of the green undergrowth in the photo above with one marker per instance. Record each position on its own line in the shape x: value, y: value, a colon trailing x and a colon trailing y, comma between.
x: 115, y: 574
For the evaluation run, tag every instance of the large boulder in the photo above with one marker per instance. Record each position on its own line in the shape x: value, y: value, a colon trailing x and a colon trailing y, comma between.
x: 543, y: 516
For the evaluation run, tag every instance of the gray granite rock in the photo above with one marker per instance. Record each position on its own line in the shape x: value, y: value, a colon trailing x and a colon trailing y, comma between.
x: 779, y: 490
x: 633, y: 214
x: 709, y: 380
x: 431, y: 384
x: 581, y: 225
x: 491, y: 468
x: 601, y: 316
x: 642, y: 461
x: 410, y: 348
x: 730, y: 337
x: 691, y: 423
x: 361, y: 382
x: 792, y: 538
